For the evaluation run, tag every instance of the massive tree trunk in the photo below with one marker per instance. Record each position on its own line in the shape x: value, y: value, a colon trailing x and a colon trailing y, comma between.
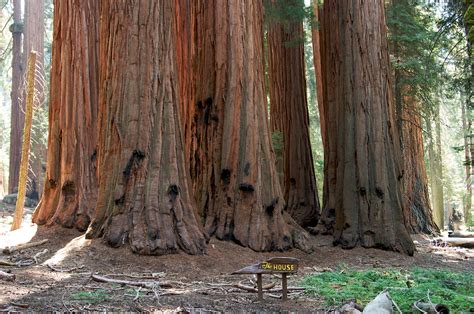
x: 17, y: 113
x: 361, y: 122
x: 417, y: 210
x: 34, y: 40
x: 289, y: 116
x: 231, y: 161
x: 70, y: 191
x: 436, y: 169
x: 328, y: 214
x: 143, y: 198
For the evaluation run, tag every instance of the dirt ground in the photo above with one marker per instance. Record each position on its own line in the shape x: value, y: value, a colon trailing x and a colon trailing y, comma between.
x: 198, y: 283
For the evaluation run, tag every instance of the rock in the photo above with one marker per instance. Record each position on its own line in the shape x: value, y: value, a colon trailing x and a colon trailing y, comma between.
x: 382, y: 304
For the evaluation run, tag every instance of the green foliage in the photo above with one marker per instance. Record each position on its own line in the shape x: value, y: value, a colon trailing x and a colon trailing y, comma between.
x: 454, y: 289
x: 94, y: 297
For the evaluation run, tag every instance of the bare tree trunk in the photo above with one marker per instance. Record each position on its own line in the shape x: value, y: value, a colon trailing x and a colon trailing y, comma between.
x: 467, y: 202
x: 143, y: 199
x: 289, y: 116
x: 17, y: 113
x: 34, y: 40
x: 360, y: 110
x: 70, y: 191
x: 231, y: 161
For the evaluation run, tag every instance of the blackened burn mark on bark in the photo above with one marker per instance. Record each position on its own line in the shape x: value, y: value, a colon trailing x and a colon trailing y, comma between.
x: 173, y: 191
x: 225, y: 176
x: 94, y: 155
x: 137, y: 157
x: 199, y: 104
x: 362, y: 191
x: 271, y: 207
x: 120, y: 200
x: 246, y: 187
x: 379, y: 193
x: 293, y: 181
x: 208, y: 101
x: 247, y: 169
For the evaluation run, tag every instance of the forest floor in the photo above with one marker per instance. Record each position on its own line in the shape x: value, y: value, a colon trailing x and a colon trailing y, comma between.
x: 198, y: 283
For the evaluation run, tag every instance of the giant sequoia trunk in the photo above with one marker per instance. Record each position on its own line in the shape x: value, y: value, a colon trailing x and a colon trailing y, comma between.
x: 360, y: 117
x: 143, y: 198
x: 231, y: 161
x: 70, y: 190
x: 17, y: 114
x: 289, y: 116
x: 417, y: 210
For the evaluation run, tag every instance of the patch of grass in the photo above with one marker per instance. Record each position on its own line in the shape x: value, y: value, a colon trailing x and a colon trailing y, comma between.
x: 93, y: 297
x: 454, y: 289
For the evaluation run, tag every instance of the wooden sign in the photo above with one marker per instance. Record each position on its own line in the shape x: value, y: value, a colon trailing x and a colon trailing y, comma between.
x: 281, y: 265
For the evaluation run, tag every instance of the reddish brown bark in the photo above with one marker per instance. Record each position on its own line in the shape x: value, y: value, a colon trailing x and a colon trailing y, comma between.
x: 231, y: 161
x: 289, y: 117
x: 70, y: 191
x: 417, y: 210
x: 143, y: 199
x: 17, y: 114
x: 360, y: 111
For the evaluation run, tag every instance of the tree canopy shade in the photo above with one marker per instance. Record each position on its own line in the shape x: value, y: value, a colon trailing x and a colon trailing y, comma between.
x: 362, y: 131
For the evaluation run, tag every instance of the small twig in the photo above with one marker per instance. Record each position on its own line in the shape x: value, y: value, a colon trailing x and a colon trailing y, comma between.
x: 10, y: 250
x: 22, y: 305
x: 415, y: 305
x: 138, y: 293
x: 63, y: 270
x: 431, y: 303
x: 39, y: 254
x: 144, y: 284
x: 153, y: 276
x: 396, y: 306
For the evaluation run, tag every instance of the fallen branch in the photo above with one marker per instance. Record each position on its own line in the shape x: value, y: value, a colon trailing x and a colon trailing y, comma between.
x: 10, y: 250
x: 22, y: 305
x: 39, y: 254
x: 144, y: 284
x: 430, y: 307
x: 6, y: 276
x: 63, y: 270
x: 7, y: 263
x: 252, y: 289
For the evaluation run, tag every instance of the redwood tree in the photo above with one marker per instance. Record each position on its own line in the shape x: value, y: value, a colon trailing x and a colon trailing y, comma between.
x: 360, y: 117
x: 143, y: 197
x: 231, y: 160
x: 17, y: 114
x: 289, y: 115
x: 70, y: 190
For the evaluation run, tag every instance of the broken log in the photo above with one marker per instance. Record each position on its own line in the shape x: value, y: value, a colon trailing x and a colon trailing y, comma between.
x: 10, y: 250
x: 461, y: 234
x: 467, y: 243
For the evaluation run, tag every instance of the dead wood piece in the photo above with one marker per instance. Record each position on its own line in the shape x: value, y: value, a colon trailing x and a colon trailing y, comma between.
x: 144, y: 284
x: 431, y: 308
x: 7, y: 263
x: 461, y: 234
x: 252, y: 289
x: 22, y: 305
x: 10, y: 250
x: 63, y: 270
x: 467, y: 243
x: 6, y: 276
x: 39, y: 254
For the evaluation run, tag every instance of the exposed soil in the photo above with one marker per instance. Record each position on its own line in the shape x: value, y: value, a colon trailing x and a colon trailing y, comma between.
x: 199, y: 283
